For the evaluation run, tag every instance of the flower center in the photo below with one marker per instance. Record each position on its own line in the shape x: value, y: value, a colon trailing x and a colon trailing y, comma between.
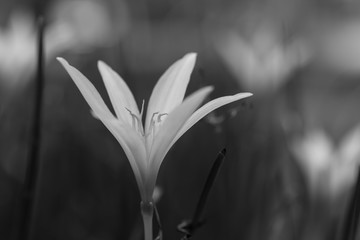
x: 156, y: 120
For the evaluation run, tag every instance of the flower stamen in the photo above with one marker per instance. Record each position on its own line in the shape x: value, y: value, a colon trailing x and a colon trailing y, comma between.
x: 136, y: 122
x: 142, y: 108
x: 156, y: 120
x: 160, y: 116
x: 151, y: 132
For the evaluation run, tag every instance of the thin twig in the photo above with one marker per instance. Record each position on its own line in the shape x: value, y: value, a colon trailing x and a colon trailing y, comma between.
x: 189, y: 227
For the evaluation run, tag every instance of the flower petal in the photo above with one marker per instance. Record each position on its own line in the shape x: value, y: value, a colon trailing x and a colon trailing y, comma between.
x: 119, y: 93
x: 172, y: 124
x: 88, y: 90
x: 129, y: 139
x: 169, y: 91
x: 206, y: 109
x: 134, y: 148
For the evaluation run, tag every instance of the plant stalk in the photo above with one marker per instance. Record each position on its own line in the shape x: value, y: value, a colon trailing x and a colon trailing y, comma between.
x: 32, y: 169
x: 147, y: 212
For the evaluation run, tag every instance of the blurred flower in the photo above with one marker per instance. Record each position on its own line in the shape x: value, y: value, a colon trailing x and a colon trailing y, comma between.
x: 330, y: 169
x: 17, y: 48
x: 73, y: 26
x: 18, y: 44
x: 263, y: 62
x: 168, y: 117
x: 86, y: 24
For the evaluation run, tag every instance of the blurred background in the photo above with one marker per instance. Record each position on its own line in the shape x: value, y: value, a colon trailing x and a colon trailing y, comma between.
x: 293, y: 149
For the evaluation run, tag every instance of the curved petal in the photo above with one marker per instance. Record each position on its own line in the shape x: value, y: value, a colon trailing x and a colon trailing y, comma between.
x: 206, y: 109
x: 169, y: 91
x: 172, y: 124
x: 119, y: 93
x: 88, y: 90
x: 134, y: 148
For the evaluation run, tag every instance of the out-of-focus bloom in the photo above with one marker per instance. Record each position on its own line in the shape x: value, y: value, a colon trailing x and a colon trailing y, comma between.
x: 85, y: 24
x: 330, y: 169
x: 17, y: 48
x: 261, y: 63
x: 75, y: 26
x: 168, y: 117
x: 18, y: 44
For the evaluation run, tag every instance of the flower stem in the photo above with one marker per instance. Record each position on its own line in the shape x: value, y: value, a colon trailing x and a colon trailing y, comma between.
x: 147, y: 211
x: 32, y: 168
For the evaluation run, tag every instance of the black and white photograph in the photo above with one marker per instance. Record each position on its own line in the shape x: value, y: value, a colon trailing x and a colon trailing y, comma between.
x: 179, y: 119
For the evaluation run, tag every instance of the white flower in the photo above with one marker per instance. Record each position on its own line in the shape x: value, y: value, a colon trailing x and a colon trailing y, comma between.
x: 168, y: 115
x: 262, y: 62
x: 329, y: 169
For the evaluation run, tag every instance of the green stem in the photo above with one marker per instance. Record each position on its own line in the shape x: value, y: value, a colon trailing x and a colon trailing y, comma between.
x: 147, y: 211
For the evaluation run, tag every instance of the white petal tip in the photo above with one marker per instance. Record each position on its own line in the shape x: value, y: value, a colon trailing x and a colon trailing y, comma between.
x: 246, y: 94
x: 190, y: 56
x: 207, y: 89
x: 62, y: 60
x: 243, y: 95
x: 101, y: 64
x: 104, y: 67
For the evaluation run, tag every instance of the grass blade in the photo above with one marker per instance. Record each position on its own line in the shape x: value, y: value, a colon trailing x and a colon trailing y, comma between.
x: 189, y: 227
